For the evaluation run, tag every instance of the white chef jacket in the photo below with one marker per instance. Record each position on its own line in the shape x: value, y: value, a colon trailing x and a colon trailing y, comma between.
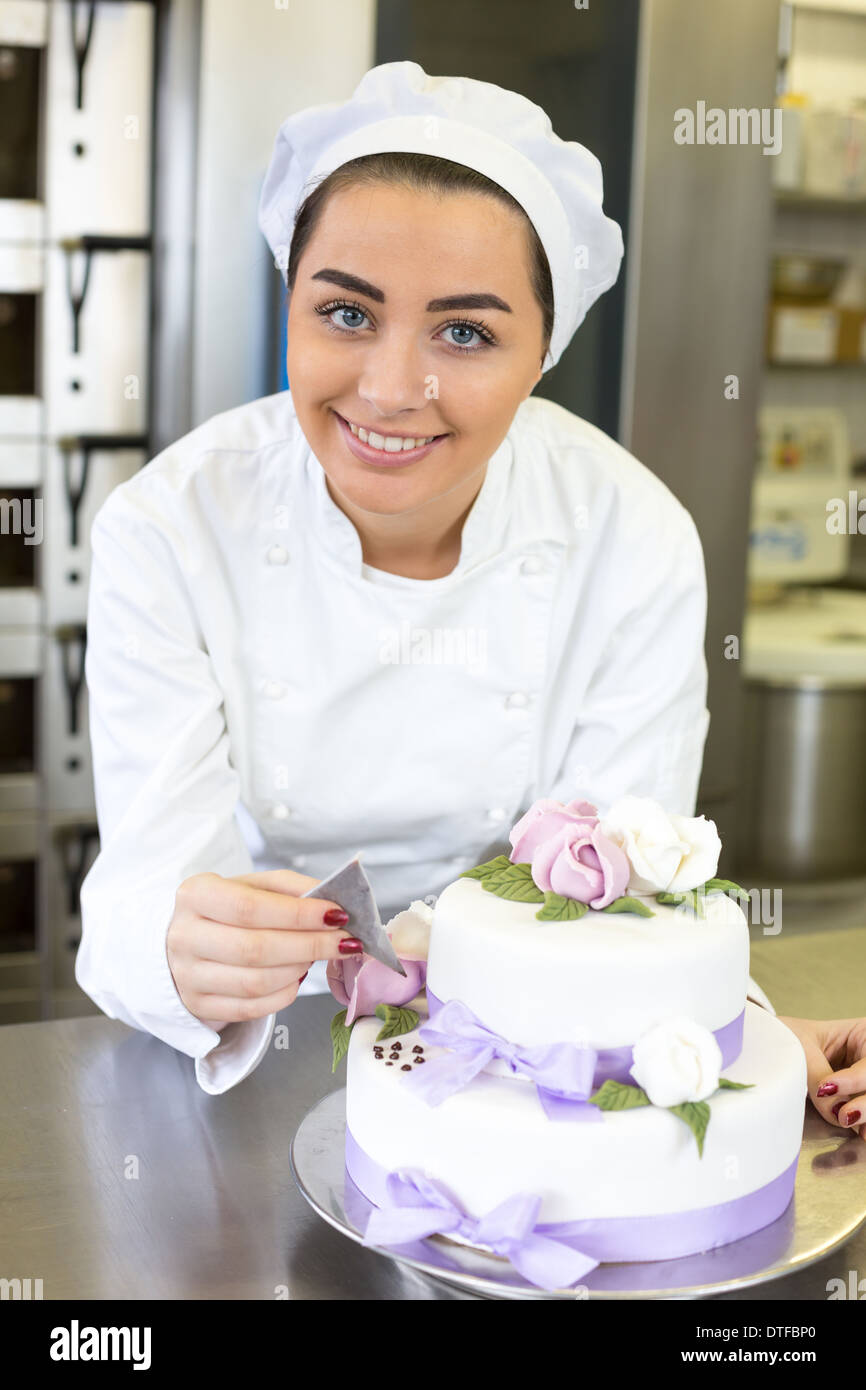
x: 259, y: 697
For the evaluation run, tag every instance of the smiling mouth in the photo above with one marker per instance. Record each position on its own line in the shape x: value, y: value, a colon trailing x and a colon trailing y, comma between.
x: 389, y: 443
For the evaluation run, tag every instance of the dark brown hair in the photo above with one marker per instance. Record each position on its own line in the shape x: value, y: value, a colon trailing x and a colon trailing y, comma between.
x: 426, y: 173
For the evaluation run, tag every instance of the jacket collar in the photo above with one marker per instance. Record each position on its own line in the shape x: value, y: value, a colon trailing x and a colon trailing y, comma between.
x: 482, y: 533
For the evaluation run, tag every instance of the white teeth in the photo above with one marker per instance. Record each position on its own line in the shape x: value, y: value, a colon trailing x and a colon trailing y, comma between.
x: 388, y: 443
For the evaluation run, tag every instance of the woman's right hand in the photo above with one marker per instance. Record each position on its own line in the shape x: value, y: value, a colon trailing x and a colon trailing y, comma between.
x: 239, y: 947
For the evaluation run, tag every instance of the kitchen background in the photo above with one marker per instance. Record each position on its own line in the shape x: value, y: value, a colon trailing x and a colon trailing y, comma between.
x: 138, y: 298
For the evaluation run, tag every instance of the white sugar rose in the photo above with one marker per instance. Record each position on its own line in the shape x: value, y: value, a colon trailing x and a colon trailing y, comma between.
x: 410, y: 931
x: 667, y: 853
x: 676, y: 1061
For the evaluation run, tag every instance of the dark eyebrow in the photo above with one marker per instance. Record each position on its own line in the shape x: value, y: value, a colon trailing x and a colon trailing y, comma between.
x: 452, y: 301
x: 350, y: 282
x: 468, y: 301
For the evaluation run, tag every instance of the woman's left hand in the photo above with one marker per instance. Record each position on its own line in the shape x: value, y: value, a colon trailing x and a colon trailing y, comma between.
x: 836, y: 1059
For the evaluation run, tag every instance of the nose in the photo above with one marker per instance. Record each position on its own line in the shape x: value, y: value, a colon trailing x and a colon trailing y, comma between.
x: 392, y: 376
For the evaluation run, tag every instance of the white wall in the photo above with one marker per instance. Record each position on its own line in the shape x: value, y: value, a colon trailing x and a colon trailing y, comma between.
x: 851, y: 6
x: 829, y: 55
x: 261, y: 60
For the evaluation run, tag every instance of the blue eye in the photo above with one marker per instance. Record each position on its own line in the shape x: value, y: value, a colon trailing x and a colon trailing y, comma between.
x: 351, y: 318
x: 468, y: 329
x: 462, y: 328
x: 341, y: 316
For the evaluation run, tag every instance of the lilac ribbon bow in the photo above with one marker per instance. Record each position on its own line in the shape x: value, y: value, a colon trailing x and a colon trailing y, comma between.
x: 562, y: 1072
x: 422, y: 1207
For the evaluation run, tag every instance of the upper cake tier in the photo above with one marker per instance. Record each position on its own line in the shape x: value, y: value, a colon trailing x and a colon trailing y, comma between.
x: 595, y: 929
x: 603, y: 979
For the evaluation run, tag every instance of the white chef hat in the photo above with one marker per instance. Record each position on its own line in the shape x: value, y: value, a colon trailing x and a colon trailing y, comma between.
x: 397, y: 107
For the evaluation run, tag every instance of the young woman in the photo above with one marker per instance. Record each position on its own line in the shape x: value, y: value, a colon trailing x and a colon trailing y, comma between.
x: 388, y: 609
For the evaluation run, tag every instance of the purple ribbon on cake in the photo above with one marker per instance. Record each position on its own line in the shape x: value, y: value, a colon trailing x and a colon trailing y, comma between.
x: 564, y: 1073
x: 418, y: 1207
x: 413, y: 1207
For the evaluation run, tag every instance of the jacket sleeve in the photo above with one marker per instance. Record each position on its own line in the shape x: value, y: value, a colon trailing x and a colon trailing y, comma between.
x: 641, y: 727
x: 165, y: 787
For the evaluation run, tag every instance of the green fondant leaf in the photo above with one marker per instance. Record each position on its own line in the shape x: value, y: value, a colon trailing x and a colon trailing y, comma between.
x: 629, y: 905
x: 514, y: 882
x: 727, y: 1085
x: 510, y: 871
x: 482, y: 870
x: 696, y: 1114
x: 340, y: 1036
x: 559, y: 909
x: 693, y: 897
x: 724, y: 885
x: 396, y: 1021
x: 616, y: 1095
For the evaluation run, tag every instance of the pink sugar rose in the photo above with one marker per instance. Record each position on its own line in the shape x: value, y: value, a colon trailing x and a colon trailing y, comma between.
x: 543, y: 819
x: 579, y: 862
x: 360, y: 983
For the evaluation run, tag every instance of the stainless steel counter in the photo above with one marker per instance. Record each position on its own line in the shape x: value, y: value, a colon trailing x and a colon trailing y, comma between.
x: 121, y: 1179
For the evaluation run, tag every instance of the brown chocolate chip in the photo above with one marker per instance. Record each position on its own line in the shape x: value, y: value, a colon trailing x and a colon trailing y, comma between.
x: 405, y: 1068
x: 419, y: 1059
x: 397, y: 1046
x: 389, y: 1064
x: 417, y: 1048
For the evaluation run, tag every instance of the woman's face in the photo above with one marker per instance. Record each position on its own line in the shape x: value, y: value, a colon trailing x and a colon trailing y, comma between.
x: 412, y: 316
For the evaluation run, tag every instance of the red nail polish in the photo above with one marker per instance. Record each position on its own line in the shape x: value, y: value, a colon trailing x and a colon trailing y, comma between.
x: 351, y: 946
x: 852, y: 1117
x: 336, y: 917
x: 827, y: 1088
x: 303, y: 977
x: 837, y: 1107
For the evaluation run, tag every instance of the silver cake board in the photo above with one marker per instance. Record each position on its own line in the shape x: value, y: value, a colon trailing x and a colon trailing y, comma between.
x: 828, y: 1208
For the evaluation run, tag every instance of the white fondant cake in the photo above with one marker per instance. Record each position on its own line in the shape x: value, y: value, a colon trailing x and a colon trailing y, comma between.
x: 493, y: 1139
x: 601, y: 1064
x: 605, y: 978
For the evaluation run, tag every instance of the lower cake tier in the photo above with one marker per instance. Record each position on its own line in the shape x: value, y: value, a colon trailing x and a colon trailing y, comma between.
x: 634, y: 1182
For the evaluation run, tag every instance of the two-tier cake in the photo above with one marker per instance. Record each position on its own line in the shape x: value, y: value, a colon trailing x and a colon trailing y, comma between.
x: 571, y: 1072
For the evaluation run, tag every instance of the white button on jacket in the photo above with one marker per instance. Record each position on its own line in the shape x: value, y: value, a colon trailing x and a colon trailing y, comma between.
x: 259, y: 697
